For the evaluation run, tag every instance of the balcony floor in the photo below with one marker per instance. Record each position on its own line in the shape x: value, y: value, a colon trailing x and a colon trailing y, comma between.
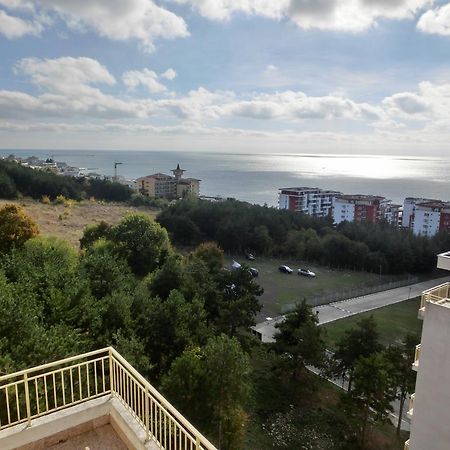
x: 101, y: 438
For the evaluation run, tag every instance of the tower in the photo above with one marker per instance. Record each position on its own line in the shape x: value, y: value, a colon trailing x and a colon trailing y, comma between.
x: 178, y: 173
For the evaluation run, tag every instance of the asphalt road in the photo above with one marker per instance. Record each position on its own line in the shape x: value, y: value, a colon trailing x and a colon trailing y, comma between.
x: 358, y: 305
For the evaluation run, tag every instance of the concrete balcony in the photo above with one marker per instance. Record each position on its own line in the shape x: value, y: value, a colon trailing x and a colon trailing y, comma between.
x: 96, y: 400
x: 438, y: 294
x: 444, y: 261
x: 411, y: 405
x: 415, y: 365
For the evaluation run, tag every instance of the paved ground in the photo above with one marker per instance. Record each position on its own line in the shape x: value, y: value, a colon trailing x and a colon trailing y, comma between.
x: 346, y: 308
x: 102, y: 438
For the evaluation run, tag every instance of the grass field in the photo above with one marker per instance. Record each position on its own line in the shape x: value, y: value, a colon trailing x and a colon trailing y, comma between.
x: 68, y: 222
x: 393, y: 322
x: 282, y: 291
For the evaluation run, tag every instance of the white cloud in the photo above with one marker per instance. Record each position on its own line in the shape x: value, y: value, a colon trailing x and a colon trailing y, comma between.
x: 148, y: 78
x: 169, y: 74
x: 436, y: 21
x: 15, y: 27
x: 118, y: 20
x: 340, y: 15
x: 224, y: 9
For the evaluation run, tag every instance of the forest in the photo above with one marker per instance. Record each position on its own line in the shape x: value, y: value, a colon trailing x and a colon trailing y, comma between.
x: 238, y: 227
x: 20, y: 181
x: 183, y: 321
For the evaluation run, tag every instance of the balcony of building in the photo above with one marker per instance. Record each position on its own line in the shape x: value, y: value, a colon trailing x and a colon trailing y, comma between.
x: 438, y: 295
x: 415, y: 365
x: 96, y: 400
x: 406, y: 447
x: 444, y: 261
x: 411, y: 406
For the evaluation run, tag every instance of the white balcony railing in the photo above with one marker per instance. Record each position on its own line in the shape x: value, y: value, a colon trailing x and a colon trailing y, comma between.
x: 415, y: 365
x: 412, y: 399
x: 437, y: 294
x: 39, y: 391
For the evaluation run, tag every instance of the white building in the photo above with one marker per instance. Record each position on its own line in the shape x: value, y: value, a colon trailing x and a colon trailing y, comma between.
x: 430, y: 404
x: 312, y: 201
x: 426, y: 217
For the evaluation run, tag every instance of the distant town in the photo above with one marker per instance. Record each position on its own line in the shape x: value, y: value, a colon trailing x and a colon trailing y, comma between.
x: 423, y: 216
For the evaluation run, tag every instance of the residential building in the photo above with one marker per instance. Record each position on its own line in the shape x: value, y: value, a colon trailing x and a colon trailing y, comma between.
x: 426, y: 217
x: 312, y: 201
x: 359, y: 208
x: 95, y: 400
x: 429, y: 405
x: 160, y: 185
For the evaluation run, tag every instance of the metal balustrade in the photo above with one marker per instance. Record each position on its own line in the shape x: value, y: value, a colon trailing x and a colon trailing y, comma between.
x: 39, y: 391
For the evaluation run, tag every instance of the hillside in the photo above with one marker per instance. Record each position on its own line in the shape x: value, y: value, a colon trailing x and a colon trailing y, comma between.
x: 68, y: 222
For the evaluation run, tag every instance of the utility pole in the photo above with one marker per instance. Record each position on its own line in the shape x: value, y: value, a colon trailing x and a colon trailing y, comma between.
x: 115, y: 170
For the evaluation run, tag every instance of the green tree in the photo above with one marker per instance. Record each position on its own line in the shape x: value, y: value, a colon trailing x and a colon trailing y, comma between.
x: 299, y: 339
x: 93, y: 233
x: 401, y: 357
x: 238, y: 301
x: 373, y: 392
x: 105, y: 271
x: 215, y: 402
x: 361, y: 341
x: 168, y: 327
x: 142, y: 242
x: 15, y: 228
x: 211, y: 254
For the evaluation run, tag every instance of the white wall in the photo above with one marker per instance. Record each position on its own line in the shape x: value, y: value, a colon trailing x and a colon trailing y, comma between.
x: 343, y: 211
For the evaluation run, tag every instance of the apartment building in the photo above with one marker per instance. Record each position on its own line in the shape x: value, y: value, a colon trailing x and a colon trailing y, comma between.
x: 160, y: 185
x: 426, y: 217
x: 312, y: 201
x: 430, y: 404
x: 359, y: 208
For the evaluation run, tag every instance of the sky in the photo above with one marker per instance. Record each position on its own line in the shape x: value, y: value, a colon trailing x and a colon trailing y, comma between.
x: 297, y: 76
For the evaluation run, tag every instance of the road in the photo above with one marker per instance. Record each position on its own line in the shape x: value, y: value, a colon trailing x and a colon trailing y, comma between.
x: 346, y: 308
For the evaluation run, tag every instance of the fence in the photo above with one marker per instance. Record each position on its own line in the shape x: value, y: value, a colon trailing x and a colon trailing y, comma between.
x: 324, y: 298
x: 35, y: 392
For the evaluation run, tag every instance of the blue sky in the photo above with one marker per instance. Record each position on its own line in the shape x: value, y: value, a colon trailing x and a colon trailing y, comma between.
x: 352, y: 76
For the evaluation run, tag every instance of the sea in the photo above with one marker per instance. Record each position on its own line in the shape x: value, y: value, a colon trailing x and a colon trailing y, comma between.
x: 256, y: 178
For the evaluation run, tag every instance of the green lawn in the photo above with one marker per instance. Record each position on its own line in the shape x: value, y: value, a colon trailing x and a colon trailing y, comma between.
x: 282, y: 291
x: 393, y: 323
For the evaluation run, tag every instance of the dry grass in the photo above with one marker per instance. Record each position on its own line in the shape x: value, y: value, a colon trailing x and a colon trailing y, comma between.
x: 68, y: 222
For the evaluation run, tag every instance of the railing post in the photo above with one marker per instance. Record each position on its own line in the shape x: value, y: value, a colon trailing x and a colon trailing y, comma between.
x: 197, y: 443
x: 27, y: 398
x: 147, y: 414
x: 111, y: 373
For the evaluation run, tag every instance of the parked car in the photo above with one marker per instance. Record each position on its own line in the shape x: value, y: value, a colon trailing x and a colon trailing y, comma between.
x: 249, y: 256
x: 254, y: 272
x: 306, y: 273
x: 235, y: 265
x: 285, y: 269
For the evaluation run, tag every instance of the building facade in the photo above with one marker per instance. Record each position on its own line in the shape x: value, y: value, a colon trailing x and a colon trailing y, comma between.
x: 429, y: 405
x: 160, y: 185
x: 426, y: 217
x: 312, y: 201
x: 359, y: 208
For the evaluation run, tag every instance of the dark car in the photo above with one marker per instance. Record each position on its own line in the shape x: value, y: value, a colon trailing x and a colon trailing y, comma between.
x: 253, y: 272
x: 285, y: 269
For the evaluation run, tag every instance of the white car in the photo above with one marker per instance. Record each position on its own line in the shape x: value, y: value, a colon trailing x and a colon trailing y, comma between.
x: 285, y: 269
x: 306, y: 273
